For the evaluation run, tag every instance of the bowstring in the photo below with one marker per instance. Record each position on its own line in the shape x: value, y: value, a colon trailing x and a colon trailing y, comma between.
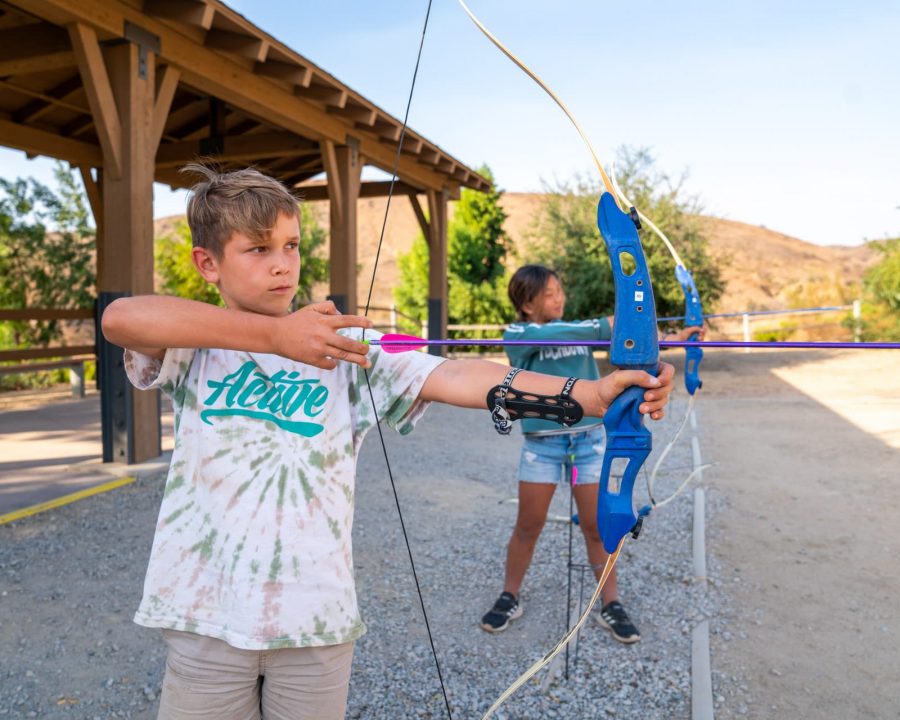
x: 387, y: 461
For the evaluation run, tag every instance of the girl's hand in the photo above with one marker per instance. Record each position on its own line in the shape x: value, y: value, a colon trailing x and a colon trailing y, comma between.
x: 658, y: 389
x: 685, y: 333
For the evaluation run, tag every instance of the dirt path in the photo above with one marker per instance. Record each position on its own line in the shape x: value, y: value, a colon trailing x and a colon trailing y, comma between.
x: 807, y: 538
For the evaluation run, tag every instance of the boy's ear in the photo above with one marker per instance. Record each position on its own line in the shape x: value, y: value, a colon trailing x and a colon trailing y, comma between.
x: 206, y: 264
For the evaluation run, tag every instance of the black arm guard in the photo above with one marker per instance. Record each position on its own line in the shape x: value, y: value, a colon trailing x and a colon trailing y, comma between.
x: 507, y: 405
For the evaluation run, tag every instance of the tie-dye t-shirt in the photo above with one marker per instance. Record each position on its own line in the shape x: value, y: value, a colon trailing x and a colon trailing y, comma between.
x: 252, y: 545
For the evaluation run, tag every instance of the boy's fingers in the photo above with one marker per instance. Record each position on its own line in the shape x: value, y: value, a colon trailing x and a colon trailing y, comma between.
x: 346, y: 321
x: 345, y: 345
x: 354, y: 358
x: 666, y: 373
x: 627, y: 378
x: 326, y: 363
x: 326, y: 307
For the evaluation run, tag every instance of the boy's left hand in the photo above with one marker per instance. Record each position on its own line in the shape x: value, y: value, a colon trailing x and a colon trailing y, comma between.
x: 658, y: 388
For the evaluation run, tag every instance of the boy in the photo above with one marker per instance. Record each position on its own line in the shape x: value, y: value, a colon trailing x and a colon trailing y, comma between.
x: 539, y: 299
x: 251, y: 574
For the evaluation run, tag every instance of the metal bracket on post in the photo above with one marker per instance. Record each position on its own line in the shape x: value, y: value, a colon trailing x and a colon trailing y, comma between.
x: 340, y: 302
x: 353, y: 144
x: 116, y: 417
x: 146, y: 42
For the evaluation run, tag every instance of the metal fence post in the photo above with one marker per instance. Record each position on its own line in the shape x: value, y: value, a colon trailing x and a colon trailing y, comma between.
x: 746, y: 318
x: 76, y: 379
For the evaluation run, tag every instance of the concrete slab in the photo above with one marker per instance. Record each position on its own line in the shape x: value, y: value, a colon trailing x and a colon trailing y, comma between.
x: 50, y: 446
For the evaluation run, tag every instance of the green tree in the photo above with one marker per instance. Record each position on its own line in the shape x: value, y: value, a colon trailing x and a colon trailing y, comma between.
x: 476, y: 242
x: 178, y: 276
x: 566, y: 238
x: 411, y: 294
x: 46, y: 253
x: 881, y: 284
x: 476, y: 250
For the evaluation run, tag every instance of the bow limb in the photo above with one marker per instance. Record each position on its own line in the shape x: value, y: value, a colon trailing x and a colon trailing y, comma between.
x: 546, y: 88
x: 558, y: 648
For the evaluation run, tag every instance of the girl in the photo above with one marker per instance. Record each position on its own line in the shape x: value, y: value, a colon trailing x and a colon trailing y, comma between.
x: 549, y: 451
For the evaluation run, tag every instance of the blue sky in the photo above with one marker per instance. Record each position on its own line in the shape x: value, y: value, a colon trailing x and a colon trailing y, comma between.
x: 783, y: 114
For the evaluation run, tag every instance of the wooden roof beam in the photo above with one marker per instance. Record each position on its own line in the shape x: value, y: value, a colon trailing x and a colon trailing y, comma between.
x: 195, y: 13
x: 34, y: 48
x: 429, y: 156
x: 288, y: 72
x: 411, y: 145
x: 330, y: 96
x: 247, y: 46
x: 223, y: 76
x: 386, y: 130
x: 371, y: 189
x: 166, y: 85
x: 53, y: 97
x: 361, y: 116
x: 242, y: 147
x: 100, y: 95
x: 40, y: 142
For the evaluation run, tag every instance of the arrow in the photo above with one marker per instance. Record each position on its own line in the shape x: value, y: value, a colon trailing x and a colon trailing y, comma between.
x: 394, y: 343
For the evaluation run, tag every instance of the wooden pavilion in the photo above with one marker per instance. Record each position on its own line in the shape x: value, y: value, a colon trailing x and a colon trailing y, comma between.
x: 129, y: 90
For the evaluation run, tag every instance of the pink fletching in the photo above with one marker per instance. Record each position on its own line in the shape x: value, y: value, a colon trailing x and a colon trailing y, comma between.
x: 574, y: 475
x: 394, y: 343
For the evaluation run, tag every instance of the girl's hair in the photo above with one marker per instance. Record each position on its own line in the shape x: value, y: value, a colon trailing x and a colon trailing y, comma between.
x: 245, y: 201
x: 526, y: 284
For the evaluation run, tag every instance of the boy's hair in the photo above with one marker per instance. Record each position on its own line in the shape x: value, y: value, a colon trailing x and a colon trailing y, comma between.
x: 245, y: 201
x: 526, y: 284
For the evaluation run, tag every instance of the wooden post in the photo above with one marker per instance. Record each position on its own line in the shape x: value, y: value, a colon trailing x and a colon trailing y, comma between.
x: 343, y: 165
x: 128, y: 112
x: 437, y: 269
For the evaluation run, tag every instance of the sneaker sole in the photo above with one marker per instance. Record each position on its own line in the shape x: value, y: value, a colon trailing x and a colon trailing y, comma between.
x: 515, y: 616
x: 621, y: 638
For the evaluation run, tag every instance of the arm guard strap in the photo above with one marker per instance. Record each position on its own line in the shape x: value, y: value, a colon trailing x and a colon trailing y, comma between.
x: 507, y: 405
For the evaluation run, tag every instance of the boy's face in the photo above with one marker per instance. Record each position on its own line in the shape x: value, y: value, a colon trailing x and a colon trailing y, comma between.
x: 258, y: 276
x: 549, y: 304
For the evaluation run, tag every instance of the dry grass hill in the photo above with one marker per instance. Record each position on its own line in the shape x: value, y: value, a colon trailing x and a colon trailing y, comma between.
x: 763, y: 268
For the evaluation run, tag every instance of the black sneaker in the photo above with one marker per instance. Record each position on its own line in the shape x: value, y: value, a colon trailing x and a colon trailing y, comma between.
x: 614, y: 618
x: 506, y: 609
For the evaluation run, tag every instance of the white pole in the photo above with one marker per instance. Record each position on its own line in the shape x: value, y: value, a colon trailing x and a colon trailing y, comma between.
x: 746, y: 331
x: 857, y: 319
x: 393, y: 318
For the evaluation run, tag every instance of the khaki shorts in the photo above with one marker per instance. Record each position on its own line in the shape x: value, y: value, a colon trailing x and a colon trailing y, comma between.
x: 208, y: 679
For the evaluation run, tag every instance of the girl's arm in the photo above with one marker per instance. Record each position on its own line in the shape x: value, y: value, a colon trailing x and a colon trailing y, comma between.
x: 466, y: 383
x: 149, y: 324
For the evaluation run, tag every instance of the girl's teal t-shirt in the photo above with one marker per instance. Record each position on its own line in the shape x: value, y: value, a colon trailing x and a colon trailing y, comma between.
x: 566, y: 361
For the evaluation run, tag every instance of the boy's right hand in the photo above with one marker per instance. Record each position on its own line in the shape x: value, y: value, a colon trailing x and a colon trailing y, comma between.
x: 310, y: 336
x: 655, y: 399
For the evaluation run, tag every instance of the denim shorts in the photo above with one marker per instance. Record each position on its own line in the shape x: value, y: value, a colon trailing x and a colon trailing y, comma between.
x: 549, y: 458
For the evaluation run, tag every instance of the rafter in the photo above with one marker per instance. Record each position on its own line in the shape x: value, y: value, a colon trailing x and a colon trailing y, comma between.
x: 242, y: 147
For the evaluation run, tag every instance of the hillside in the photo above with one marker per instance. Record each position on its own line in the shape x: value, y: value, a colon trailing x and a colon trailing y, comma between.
x: 762, y: 267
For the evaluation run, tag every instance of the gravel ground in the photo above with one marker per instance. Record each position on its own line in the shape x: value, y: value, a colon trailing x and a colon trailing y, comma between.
x: 71, y: 579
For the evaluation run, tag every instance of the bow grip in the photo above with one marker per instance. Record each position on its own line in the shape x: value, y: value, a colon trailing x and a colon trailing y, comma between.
x: 626, y: 438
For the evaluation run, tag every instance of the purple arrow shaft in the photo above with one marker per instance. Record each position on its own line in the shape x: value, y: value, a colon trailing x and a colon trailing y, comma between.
x: 662, y: 343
